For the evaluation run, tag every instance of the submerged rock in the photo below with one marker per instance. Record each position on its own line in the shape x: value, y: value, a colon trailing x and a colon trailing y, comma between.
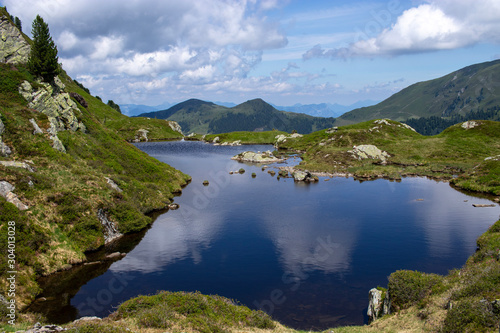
x: 252, y: 157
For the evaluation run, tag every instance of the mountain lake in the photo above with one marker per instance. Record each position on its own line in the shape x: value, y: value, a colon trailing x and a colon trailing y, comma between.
x: 305, y: 253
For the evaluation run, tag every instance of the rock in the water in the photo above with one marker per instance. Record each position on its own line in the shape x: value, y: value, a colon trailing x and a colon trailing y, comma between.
x: 252, y: 157
x: 300, y: 175
x: 173, y: 206
x: 14, y: 49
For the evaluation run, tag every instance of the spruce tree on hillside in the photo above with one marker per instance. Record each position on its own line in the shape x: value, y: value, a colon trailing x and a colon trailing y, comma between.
x: 43, y: 60
x: 17, y: 22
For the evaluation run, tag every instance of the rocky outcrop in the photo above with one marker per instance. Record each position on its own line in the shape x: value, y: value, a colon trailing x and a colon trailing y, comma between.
x: 57, y: 105
x: 38, y: 328
x: 369, y: 152
x: 16, y: 164
x: 6, y: 191
x: 14, y: 49
x: 113, y: 185
x: 252, y: 157
x: 5, y: 150
x: 469, y: 124
x: 175, y: 126
x: 282, y: 138
x: 141, y: 135
x: 37, y: 129
x: 378, y: 304
x: 110, y: 230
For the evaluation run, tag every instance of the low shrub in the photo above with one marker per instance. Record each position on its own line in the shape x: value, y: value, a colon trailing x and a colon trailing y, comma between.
x: 407, y: 288
x: 192, y: 311
x: 470, y: 316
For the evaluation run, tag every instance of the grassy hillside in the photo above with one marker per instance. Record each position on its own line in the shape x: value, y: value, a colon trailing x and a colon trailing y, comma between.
x: 126, y: 127
x: 66, y: 190
x: 471, y: 88
x: 457, y: 154
x: 254, y: 115
x: 267, y: 137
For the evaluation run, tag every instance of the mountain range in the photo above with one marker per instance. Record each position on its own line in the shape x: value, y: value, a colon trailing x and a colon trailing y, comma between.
x: 255, y: 115
x: 472, y: 88
x: 315, y: 110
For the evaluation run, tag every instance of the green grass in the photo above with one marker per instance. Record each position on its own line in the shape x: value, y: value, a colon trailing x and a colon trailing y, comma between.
x: 267, y: 137
x: 192, y: 311
x: 456, y: 154
x: 67, y: 189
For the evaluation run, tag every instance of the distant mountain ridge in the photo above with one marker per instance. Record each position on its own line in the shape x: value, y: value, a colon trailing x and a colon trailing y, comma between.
x: 316, y: 110
x: 203, y: 117
x: 468, y: 89
x: 325, y: 109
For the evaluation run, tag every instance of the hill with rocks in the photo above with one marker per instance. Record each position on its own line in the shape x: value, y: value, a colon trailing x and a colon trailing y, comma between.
x: 69, y: 181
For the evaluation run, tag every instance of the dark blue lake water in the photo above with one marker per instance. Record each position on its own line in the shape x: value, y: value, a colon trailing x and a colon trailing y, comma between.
x: 305, y: 253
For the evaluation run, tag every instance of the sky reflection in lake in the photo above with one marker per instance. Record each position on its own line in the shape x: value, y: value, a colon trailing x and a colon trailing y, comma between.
x: 307, y: 253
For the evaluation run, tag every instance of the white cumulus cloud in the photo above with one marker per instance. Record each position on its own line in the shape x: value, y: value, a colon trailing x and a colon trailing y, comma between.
x: 435, y: 25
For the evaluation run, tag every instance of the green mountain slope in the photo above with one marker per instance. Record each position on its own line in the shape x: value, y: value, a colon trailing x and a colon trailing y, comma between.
x: 471, y: 88
x: 69, y: 182
x: 254, y: 115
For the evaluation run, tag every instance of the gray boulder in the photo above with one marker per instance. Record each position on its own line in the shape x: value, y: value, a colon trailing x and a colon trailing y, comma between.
x: 14, y: 49
x: 378, y: 306
x: 252, y: 157
x: 36, y: 127
x: 6, y: 189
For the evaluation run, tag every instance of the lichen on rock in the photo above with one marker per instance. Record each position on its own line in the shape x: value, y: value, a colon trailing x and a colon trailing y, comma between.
x: 175, y: 126
x: 253, y: 157
x: 57, y: 105
x: 14, y: 49
x: 369, y: 152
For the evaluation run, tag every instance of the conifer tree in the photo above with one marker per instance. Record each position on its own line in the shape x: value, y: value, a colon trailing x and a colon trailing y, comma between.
x: 17, y: 22
x: 43, y: 60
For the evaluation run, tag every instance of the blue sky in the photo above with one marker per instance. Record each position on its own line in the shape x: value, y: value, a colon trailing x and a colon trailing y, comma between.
x: 284, y: 51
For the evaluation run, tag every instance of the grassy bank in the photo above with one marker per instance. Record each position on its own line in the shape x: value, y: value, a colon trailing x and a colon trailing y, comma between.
x: 245, y: 137
x: 65, y: 191
x: 466, y: 157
